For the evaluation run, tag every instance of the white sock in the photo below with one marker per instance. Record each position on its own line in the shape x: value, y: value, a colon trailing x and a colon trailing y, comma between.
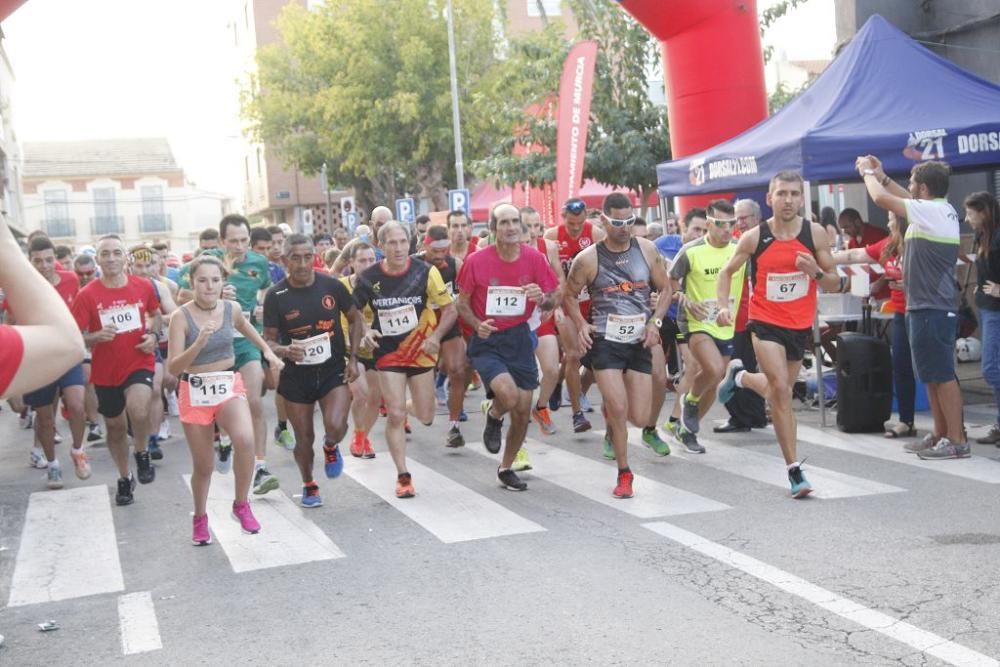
x: 738, y: 379
x: 258, y: 464
x: 54, y: 463
x: 793, y: 465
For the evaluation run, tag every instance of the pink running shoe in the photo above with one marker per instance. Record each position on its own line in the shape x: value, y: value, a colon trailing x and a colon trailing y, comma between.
x: 199, y: 534
x: 242, y: 513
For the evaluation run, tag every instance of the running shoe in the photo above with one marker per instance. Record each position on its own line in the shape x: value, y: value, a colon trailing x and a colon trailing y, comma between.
x: 991, y: 438
x: 925, y: 443
x: 624, y: 487
x: 55, y: 477
x: 310, y: 496
x: 173, y: 409
x: 94, y: 433
x: 242, y: 513
x: 381, y: 409
x: 476, y: 382
x: 283, y: 438
x: 126, y: 487
x: 223, y: 457
x: 56, y: 436
x: 800, y: 485
x: 555, y: 398
x: 652, y: 439
x: 358, y: 444
x: 455, y: 438
x: 690, y: 442
x: 580, y: 422
x: 80, y: 463
x: 944, y: 449
x: 27, y: 419
x: 146, y: 471
x: 442, y: 394
x: 673, y: 430
x: 199, y: 531
x: 37, y: 459
x: 492, y: 432
x: 164, y: 433
x: 608, y: 449
x: 689, y: 414
x: 728, y: 385
x: 404, y: 485
x: 521, y: 460
x: 154, y: 449
x: 369, y: 452
x: 462, y: 417
x: 585, y: 403
x: 406, y: 426
x: 263, y: 482
x: 333, y: 462
x: 510, y: 481
x: 544, y: 420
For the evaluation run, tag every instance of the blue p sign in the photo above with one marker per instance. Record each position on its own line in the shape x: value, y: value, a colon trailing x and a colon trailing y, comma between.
x: 352, y: 221
x: 406, y: 211
x: 459, y: 200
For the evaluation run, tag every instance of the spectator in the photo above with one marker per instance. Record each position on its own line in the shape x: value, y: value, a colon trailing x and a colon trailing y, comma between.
x: 828, y: 220
x: 859, y: 233
x: 670, y: 224
x: 655, y: 231
x: 929, y: 258
x: 982, y: 212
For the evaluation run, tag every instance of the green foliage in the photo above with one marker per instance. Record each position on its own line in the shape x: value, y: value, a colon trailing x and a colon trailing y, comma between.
x: 782, y: 96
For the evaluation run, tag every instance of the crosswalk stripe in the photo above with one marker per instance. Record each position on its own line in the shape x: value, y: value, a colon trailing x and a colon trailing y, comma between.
x: 449, y: 511
x: 900, y: 631
x: 769, y: 469
x: 286, y: 537
x: 595, y: 480
x: 976, y: 468
x: 68, y: 547
x: 137, y: 620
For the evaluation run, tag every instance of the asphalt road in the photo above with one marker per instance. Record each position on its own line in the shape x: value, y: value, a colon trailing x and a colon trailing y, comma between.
x: 893, y: 562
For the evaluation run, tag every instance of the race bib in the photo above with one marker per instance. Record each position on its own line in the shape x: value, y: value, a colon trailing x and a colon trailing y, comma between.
x: 210, y: 389
x: 624, y: 328
x: 787, y: 286
x: 397, y: 321
x: 713, y: 309
x: 505, y: 301
x: 124, y: 318
x: 315, y: 349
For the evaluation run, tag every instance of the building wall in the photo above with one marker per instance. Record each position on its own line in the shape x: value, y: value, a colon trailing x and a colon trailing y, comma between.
x: 184, y: 213
x: 11, y: 159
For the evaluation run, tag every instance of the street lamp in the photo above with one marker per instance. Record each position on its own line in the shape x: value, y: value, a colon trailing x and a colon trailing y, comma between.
x: 455, y: 119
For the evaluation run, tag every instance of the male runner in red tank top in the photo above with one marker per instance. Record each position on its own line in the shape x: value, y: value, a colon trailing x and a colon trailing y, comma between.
x: 573, y: 236
x: 788, y: 257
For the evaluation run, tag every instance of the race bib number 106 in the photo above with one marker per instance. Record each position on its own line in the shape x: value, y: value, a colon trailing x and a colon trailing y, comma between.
x: 124, y: 318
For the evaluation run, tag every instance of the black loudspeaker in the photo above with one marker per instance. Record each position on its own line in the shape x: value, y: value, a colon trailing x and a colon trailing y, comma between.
x: 864, y: 383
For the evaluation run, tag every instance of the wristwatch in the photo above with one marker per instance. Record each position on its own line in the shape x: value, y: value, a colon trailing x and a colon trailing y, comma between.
x: 819, y: 275
x: 657, y: 321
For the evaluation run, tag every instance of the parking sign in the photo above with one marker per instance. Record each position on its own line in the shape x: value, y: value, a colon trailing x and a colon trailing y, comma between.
x: 459, y: 200
x: 406, y: 210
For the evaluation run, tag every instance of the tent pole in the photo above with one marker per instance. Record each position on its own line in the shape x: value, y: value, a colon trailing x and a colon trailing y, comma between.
x: 817, y: 348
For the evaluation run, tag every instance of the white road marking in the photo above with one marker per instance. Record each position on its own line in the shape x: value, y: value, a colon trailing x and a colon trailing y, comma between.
x: 976, y: 468
x: 68, y: 547
x: 595, y: 480
x: 912, y: 636
x: 287, y: 536
x: 771, y: 469
x: 137, y: 620
x: 443, y: 507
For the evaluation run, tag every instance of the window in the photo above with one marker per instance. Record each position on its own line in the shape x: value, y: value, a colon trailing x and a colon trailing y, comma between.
x: 106, y: 219
x: 550, y: 7
x: 57, y: 222
x: 153, y: 217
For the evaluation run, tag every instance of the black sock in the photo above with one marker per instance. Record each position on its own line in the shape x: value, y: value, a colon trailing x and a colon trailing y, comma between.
x: 282, y: 426
x: 674, y: 420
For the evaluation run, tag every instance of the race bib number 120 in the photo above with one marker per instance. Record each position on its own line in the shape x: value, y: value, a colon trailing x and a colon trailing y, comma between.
x: 124, y: 318
x: 315, y: 349
x: 787, y: 286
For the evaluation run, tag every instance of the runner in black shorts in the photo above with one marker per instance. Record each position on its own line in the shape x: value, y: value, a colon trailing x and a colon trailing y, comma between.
x: 364, y: 390
x: 302, y: 325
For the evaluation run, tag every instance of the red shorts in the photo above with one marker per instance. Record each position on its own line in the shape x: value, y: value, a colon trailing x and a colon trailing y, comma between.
x: 205, y: 415
x: 547, y: 327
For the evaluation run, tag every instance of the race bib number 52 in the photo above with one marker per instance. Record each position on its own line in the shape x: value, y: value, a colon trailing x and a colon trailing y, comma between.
x: 787, y: 286
x: 625, y: 328
x: 124, y: 318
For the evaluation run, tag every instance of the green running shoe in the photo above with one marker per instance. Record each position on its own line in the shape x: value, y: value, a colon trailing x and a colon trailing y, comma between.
x: 652, y: 439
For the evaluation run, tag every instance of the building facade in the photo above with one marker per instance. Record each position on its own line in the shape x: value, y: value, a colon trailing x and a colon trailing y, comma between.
x: 11, y: 164
x: 78, y: 191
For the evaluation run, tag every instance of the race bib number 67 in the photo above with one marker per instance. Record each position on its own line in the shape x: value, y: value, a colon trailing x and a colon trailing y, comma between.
x: 787, y: 286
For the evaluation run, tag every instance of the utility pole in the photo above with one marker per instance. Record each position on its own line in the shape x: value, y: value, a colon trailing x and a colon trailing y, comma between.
x: 455, y: 119
x: 326, y: 191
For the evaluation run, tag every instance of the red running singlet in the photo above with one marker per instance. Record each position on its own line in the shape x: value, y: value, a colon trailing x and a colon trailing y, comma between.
x: 782, y: 295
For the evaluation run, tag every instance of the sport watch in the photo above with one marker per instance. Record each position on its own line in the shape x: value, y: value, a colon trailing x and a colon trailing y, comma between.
x: 658, y: 322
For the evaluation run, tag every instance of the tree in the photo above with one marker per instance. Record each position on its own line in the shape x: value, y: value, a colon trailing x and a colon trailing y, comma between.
x: 364, y: 86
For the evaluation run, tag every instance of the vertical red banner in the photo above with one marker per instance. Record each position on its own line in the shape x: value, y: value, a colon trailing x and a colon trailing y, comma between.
x: 575, y: 89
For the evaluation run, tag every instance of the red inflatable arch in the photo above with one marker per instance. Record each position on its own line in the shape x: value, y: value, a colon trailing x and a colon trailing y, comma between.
x: 713, y: 69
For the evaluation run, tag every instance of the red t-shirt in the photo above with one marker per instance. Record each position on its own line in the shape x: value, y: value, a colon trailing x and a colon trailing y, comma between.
x: 893, y: 271
x: 115, y: 360
x: 870, y: 234
x: 68, y: 287
x: 11, y: 353
x: 485, y: 269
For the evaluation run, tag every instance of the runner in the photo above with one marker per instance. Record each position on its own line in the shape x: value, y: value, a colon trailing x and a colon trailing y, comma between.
x: 573, y: 236
x: 302, y: 325
x: 86, y: 271
x: 454, y: 363
x: 463, y: 241
x: 282, y: 436
x: 248, y: 276
x: 697, y: 265
x: 547, y: 351
x: 406, y: 337
x: 202, y: 355
x: 120, y: 317
x: 618, y: 273
x: 365, y: 389
x: 41, y: 254
x: 789, y: 257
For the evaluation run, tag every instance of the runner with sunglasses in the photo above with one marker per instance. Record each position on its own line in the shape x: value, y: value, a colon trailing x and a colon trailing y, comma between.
x: 619, y: 272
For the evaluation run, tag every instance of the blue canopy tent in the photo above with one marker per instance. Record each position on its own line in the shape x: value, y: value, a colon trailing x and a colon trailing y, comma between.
x: 884, y: 95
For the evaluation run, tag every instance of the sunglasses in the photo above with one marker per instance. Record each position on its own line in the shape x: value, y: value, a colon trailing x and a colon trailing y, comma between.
x: 616, y: 222
x: 575, y: 207
x: 721, y: 222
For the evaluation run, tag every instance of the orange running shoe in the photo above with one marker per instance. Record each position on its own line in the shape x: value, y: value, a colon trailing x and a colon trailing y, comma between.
x: 358, y: 444
x: 369, y: 452
x: 541, y: 415
x: 624, y: 488
x: 404, y: 486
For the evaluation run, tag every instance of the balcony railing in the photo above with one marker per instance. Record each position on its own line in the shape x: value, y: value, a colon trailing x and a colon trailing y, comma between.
x: 154, y: 223
x: 60, y: 228
x: 108, y: 224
